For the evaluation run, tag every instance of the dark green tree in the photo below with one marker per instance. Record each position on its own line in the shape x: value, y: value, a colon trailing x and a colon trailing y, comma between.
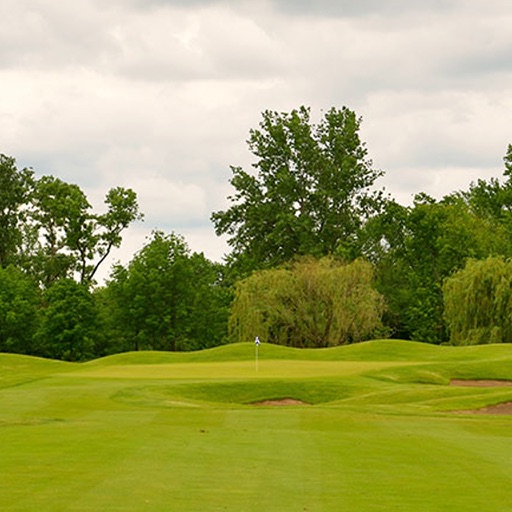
x: 15, y: 188
x: 68, y: 322
x: 19, y: 302
x: 415, y: 248
x: 168, y: 298
x: 492, y: 199
x: 60, y: 222
x: 50, y: 232
x: 65, y: 238
x: 311, y: 192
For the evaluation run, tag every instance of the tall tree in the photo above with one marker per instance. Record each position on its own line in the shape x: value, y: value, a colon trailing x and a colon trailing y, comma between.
x: 60, y: 218
x: 68, y: 322
x: 19, y: 302
x: 311, y: 192
x: 15, y: 188
x: 65, y: 238
x: 415, y: 248
x: 168, y: 298
x: 122, y: 210
x: 492, y: 199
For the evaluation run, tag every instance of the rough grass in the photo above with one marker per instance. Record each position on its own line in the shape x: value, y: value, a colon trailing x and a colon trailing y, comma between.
x: 159, y: 431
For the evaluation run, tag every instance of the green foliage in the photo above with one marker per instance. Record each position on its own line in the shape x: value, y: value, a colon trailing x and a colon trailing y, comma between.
x: 122, y: 210
x: 61, y: 227
x: 19, y: 300
x: 15, y: 189
x: 308, y: 304
x: 415, y: 248
x: 310, y: 196
x: 311, y: 193
x: 168, y: 299
x: 68, y: 322
x: 49, y: 235
x: 66, y: 239
x: 47, y: 225
x: 493, y: 198
x: 507, y: 159
x: 478, y: 301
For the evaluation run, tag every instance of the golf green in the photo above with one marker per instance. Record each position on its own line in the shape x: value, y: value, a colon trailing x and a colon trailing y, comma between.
x: 372, y: 427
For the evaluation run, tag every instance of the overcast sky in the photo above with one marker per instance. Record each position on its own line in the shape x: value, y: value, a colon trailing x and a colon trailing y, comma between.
x: 159, y: 95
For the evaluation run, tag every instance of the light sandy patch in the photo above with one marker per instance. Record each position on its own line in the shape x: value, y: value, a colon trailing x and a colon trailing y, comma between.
x: 481, y: 383
x: 281, y: 402
x: 504, y: 408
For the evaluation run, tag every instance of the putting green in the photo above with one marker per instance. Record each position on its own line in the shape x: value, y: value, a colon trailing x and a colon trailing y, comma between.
x: 160, y: 432
x: 236, y: 370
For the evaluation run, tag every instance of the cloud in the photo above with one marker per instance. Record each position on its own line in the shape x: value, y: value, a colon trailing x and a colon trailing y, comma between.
x: 144, y: 5
x: 380, y: 9
x: 160, y: 95
x: 46, y: 34
x: 190, y: 46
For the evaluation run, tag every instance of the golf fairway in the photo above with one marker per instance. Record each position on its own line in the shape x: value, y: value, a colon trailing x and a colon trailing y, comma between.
x: 376, y: 431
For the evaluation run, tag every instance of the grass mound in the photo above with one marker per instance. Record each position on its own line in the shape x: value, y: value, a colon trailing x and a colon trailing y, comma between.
x: 313, y: 391
x: 379, y: 350
x: 17, y: 369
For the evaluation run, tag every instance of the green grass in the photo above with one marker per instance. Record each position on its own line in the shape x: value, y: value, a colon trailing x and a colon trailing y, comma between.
x: 161, y: 431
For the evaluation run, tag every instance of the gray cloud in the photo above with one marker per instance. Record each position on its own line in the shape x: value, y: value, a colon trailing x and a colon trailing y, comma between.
x: 49, y: 34
x: 378, y: 8
x: 160, y: 95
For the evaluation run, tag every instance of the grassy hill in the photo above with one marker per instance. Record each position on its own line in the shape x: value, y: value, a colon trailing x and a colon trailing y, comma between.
x: 159, y: 431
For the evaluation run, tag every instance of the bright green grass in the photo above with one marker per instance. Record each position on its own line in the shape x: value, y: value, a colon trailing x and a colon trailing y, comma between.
x: 177, y: 432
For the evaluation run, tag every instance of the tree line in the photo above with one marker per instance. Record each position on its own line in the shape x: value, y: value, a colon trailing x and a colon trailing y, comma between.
x: 320, y: 256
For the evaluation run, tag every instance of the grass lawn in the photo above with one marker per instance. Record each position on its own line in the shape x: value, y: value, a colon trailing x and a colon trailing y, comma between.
x: 179, y: 432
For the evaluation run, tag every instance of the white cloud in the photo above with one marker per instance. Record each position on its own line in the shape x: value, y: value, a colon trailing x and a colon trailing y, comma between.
x: 160, y: 95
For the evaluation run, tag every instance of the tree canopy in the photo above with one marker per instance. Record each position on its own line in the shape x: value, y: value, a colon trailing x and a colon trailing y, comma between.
x: 168, y: 298
x: 320, y: 257
x: 310, y: 303
x: 310, y: 194
x: 48, y: 226
x: 15, y: 187
x: 478, y: 302
x: 68, y: 239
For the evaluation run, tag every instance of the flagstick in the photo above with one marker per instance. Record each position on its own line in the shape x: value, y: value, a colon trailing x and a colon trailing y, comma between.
x: 257, y: 343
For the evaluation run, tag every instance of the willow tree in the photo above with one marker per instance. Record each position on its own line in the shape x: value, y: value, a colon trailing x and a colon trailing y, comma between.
x: 310, y: 303
x: 478, y: 301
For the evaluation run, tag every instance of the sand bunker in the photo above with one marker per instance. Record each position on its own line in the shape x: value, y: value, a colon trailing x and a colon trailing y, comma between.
x: 481, y: 383
x: 503, y: 408
x: 281, y: 402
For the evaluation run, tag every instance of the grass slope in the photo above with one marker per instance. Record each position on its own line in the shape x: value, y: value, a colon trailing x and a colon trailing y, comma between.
x: 176, y: 431
x: 16, y: 369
